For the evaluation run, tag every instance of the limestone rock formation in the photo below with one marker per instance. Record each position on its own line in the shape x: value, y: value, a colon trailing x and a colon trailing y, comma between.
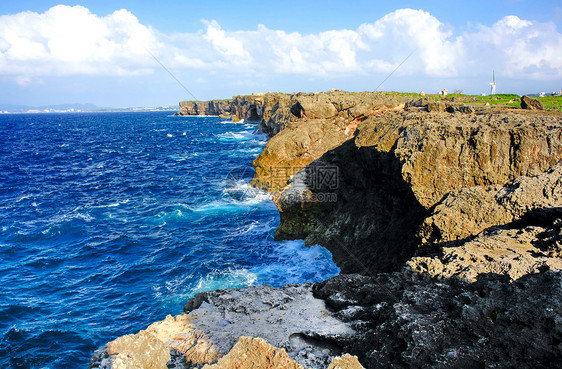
x: 395, y: 169
x: 531, y: 104
x: 252, y: 108
x: 469, y: 211
x: 173, y: 340
x: 258, y: 354
x: 451, y: 213
x: 511, y: 251
x: 140, y: 350
x: 308, y: 126
x: 289, y: 317
x: 346, y: 361
x: 513, y: 230
x: 255, y: 353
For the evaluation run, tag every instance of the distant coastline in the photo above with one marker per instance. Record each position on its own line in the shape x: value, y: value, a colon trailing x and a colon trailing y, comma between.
x: 76, y: 108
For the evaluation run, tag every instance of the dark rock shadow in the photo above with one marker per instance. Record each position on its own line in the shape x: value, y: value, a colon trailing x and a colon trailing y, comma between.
x: 407, y: 320
x: 362, y: 210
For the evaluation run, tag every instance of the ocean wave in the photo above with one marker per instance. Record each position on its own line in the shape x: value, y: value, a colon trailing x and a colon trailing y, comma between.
x: 293, y: 262
x: 230, y: 121
x: 111, y: 205
x: 223, y: 279
x: 183, y: 157
x: 66, y: 226
x: 256, y: 228
x: 176, y: 213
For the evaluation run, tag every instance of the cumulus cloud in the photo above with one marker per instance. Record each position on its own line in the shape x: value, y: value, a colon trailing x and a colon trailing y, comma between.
x: 519, y: 48
x: 72, y: 40
x: 68, y: 40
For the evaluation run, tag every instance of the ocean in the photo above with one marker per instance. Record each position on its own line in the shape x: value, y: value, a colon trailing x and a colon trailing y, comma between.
x: 111, y: 221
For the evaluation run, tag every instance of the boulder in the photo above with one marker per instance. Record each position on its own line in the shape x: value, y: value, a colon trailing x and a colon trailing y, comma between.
x: 531, y: 104
x: 436, y: 106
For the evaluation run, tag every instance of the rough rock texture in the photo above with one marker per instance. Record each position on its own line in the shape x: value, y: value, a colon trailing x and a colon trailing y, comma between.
x: 214, y: 107
x: 510, y: 250
x: 531, y: 104
x: 288, y: 317
x: 173, y: 342
x: 398, y: 166
x: 252, y: 108
x: 255, y: 353
x: 469, y: 211
x: 405, y: 320
x: 346, y: 361
x: 309, y: 125
x: 140, y: 350
x: 513, y: 230
x: 450, y: 212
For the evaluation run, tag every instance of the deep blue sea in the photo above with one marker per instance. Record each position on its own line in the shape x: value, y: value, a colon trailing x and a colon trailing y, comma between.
x: 110, y: 221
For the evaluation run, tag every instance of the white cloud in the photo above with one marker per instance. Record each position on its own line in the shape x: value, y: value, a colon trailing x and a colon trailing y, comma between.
x: 69, y: 40
x: 519, y: 48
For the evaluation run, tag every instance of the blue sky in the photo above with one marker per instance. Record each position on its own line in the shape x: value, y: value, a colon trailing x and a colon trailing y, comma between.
x: 96, y: 51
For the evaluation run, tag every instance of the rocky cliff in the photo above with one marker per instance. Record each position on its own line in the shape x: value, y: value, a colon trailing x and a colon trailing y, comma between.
x: 252, y: 108
x: 363, y: 187
x: 449, y: 212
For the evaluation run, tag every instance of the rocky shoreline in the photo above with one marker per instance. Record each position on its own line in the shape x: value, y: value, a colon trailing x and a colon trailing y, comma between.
x: 444, y: 217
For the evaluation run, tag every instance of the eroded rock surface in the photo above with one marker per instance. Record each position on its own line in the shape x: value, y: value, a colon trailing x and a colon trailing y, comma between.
x: 397, y: 167
x: 405, y: 320
x: 513, y: 230
x: 289, y: 317
x: 255, y: 353
x: 171, y: 343
x: 469, y: 211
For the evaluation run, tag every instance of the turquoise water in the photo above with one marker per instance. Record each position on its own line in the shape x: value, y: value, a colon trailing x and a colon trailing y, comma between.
x: 110, y: 221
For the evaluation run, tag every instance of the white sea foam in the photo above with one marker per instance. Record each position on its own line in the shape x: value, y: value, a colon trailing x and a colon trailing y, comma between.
x: 174, y: 291
x: 111, y: 205
x: 256, y: 228
x: 183, y: 157
x: 239, y: 136
x: 177, y: 214
x: 223, y: 279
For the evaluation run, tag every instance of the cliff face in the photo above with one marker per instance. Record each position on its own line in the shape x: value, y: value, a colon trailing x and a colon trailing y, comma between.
x: 394, y: 170
x: 252, y: 108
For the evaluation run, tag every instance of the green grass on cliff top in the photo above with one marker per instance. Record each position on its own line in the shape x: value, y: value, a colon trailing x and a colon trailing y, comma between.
x: 550, y: 102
